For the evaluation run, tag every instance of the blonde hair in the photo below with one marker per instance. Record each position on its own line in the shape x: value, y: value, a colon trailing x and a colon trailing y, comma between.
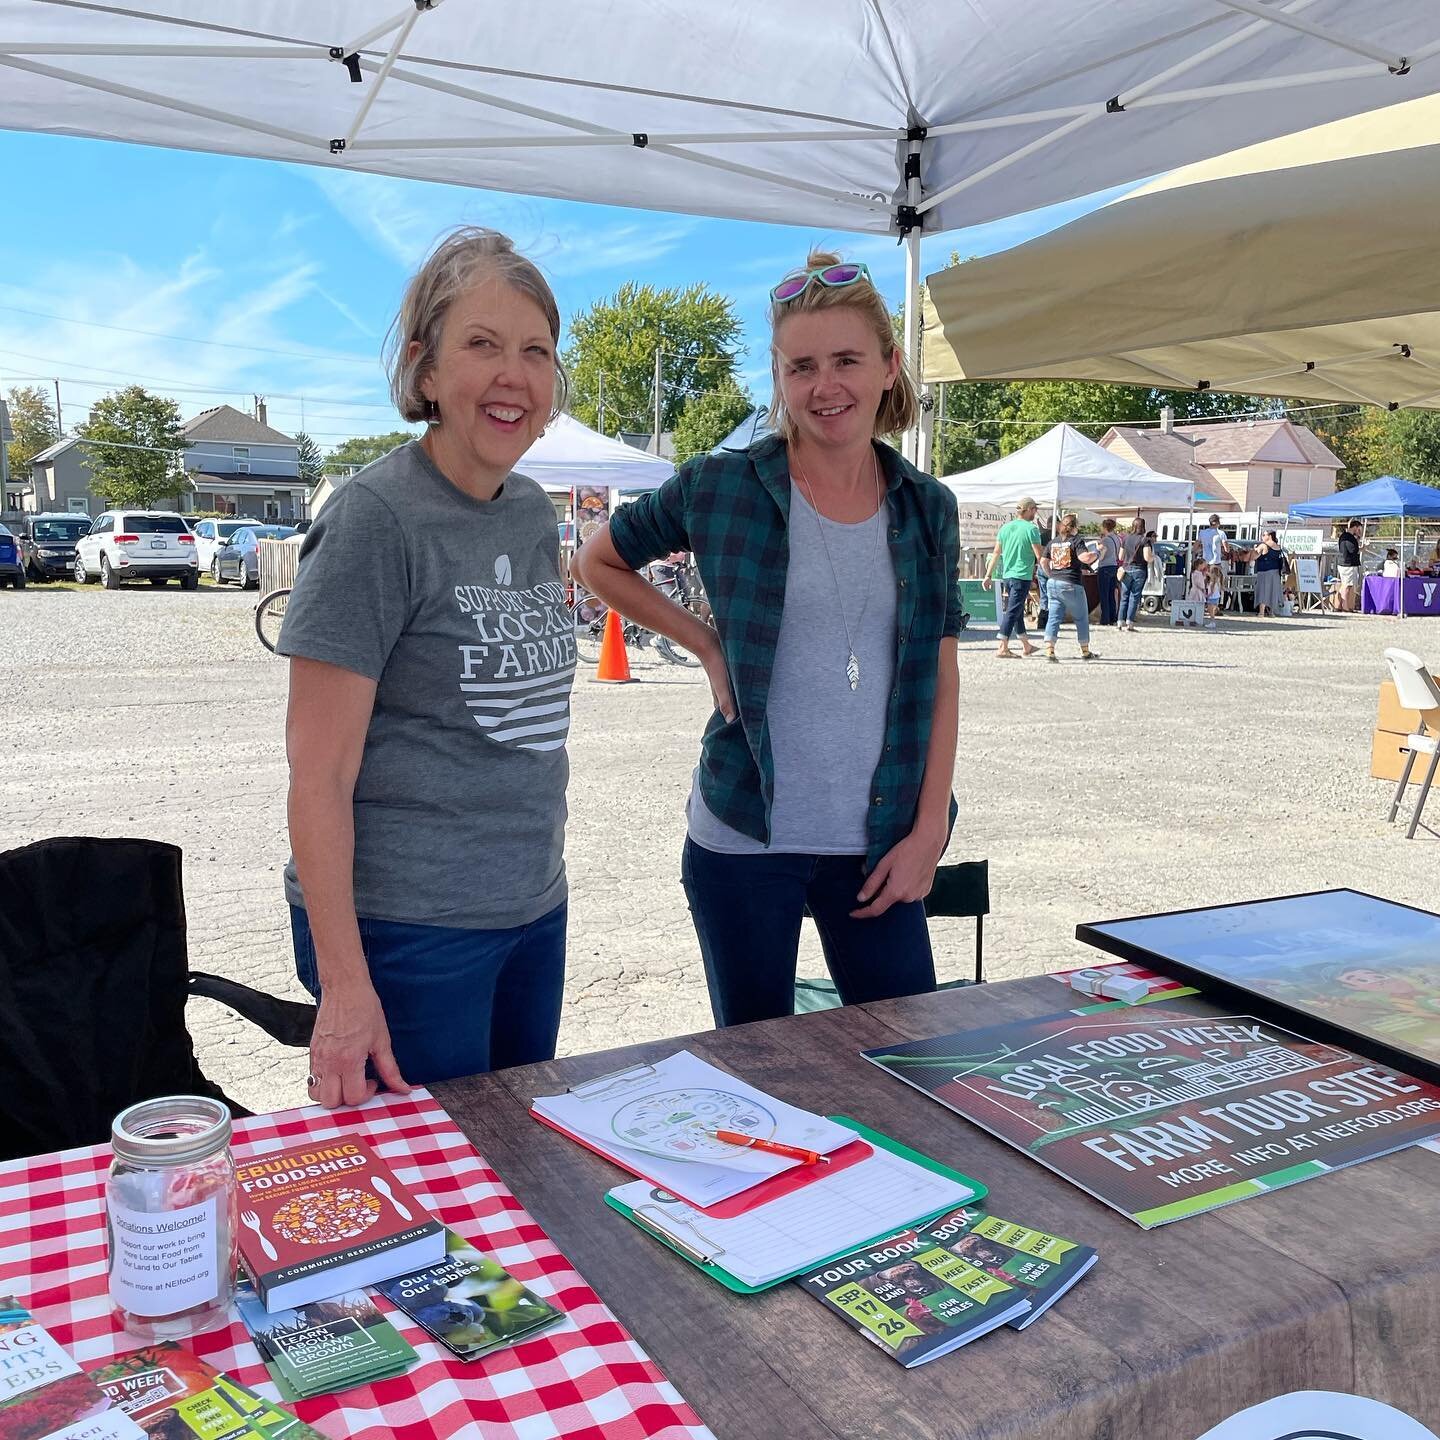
x: 1069, y: 524
x: 900, y: 405
x: 450, y: 269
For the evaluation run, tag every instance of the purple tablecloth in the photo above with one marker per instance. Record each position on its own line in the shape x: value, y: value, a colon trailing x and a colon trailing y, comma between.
x: 1381, y: 596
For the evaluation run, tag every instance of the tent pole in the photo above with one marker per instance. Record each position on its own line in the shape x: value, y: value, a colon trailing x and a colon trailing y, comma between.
x: 1401, y: 581
x: 911, y: 446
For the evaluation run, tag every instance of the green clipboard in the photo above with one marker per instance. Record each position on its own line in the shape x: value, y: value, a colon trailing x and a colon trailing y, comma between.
x: 879, y: 1142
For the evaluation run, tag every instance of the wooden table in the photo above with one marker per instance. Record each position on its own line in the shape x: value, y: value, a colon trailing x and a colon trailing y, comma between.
x: 1330, y: 1285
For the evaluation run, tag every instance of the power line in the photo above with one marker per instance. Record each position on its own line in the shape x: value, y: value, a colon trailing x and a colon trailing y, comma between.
x: 178, y: 387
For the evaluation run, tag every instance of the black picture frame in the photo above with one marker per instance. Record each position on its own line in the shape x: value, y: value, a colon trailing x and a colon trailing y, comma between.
x: 1230, y: 993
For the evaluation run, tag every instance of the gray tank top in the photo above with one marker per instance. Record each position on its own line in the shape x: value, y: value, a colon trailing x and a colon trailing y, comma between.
x: 826, y: 739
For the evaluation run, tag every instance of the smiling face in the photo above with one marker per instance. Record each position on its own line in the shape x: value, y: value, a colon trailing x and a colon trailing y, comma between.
x: 832, y: 375
x: 493, y: 380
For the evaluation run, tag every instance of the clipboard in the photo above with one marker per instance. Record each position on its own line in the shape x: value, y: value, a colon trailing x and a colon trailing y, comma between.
x: 705, y: 1258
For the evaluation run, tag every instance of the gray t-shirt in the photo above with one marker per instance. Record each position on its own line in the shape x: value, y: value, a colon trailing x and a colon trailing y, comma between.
x: 456, y: 608
x: 825, y: 737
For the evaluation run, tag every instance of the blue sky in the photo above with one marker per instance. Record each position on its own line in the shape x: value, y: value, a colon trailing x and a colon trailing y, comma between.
x: 258, y: 278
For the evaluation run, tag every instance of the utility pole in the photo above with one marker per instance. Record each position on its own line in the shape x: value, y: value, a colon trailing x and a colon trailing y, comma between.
x: 940, y: 426
x: 659, y: 398
x: 59, y: 418
x: 600, y: 419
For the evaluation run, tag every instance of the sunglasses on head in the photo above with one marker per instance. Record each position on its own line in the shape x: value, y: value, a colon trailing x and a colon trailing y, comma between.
x: 833, y: 276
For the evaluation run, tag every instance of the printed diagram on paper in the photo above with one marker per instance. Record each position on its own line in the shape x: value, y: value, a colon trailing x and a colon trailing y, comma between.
x: 675, y: 1123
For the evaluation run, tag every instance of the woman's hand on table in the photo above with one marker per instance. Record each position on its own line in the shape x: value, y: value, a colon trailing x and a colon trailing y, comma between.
x: 906, y: 872
x: 350, y: 1030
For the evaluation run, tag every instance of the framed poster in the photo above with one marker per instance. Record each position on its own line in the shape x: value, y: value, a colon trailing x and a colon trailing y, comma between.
x: 1340, y: 965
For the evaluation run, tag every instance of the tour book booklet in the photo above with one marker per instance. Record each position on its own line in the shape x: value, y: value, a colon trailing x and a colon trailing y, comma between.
x: 914, y: 1298
x: 44, y: 1394
x: 1171, y: 1109
x: 323, y: 1219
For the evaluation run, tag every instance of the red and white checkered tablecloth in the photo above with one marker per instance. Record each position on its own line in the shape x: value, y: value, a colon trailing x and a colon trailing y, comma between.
x: 586, y: 1379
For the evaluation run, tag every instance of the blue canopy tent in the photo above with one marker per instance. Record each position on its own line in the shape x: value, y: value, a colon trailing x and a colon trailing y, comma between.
x: 1381, y: 498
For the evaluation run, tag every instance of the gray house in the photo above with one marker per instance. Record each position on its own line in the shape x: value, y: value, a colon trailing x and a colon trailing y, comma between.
x: 60, y: 482
x: 239, y: 465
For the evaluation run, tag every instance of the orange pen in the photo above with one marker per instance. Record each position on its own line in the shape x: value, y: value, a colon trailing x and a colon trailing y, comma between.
x: 771, y: 1147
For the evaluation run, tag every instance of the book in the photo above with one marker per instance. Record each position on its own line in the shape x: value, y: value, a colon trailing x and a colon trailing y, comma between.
x: 325, y: 1346
x: 1045, y: 1266
x: 44, y: 1394
x: 470, y: 1303
x: 321, y: 1220
x: 172, y: 1394
x: 914, y: 1298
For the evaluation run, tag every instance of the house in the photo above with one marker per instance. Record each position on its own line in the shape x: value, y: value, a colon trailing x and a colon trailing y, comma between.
x: 645, y: 440
x: 239, y: 465
x: 1244, y: 465
x: 61, y: 481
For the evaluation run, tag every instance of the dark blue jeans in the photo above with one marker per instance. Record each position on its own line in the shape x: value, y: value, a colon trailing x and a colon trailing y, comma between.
x: 1108, y: 578
x: 747, y: 911
x: 1133, y: 583
x: 1012, y: 617
x: 458, y: 1001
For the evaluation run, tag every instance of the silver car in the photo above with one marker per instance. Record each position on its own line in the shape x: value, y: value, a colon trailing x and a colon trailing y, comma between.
x: 238, y: 559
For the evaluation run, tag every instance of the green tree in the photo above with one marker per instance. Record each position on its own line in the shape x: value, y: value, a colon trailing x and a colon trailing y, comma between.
x: 32, y: 418
x: 695, y: 329
x: 362, y: 449
x: 968, y: 431
x: 311, y: 461
x: 1415, y: 435
x: 708, y: 418
x: 135, y: 447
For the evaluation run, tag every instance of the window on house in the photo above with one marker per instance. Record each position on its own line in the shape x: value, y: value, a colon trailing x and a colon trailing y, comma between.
x: 1278, y: 479
x: 242, y: 458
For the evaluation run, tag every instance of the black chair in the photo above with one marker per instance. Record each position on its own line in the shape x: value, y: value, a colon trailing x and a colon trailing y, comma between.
x: 93, y: 982
x: 958, y: 891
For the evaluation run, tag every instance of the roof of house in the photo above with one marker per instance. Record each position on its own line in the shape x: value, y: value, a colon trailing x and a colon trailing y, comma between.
x: 227, y: 424
x: 645, y: 440
x: 1240, y: 441
x: 1166, y: 453
x: 52, y: 451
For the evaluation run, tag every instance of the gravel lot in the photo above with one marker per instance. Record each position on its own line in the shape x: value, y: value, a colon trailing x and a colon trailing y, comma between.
x: 1183, y: 769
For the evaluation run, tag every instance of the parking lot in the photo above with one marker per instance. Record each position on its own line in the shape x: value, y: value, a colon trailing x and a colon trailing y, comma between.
x: 1184, y: 769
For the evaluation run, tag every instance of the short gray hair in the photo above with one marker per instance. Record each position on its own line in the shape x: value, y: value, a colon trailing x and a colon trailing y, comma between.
x: 449, y: 270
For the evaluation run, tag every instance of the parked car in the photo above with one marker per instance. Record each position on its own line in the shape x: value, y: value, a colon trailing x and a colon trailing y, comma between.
x: 301, y: 526
x: 210, y: 535
x: 153, y: 545
x: 47, y: 544
x: 12, y: 567
x: 239, y: 558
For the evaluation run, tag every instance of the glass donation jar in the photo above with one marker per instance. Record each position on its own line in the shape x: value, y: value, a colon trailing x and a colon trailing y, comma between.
x: 170, y: 1217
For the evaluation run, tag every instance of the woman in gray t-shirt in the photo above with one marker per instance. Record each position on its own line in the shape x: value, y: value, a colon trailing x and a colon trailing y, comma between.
x: 431, y: 659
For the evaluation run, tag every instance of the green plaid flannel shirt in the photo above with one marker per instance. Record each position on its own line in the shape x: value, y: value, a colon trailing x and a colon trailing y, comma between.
x: 732, y: 510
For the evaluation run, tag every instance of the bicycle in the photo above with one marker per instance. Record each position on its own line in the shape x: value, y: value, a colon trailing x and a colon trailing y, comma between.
x: 678, y: 583
x: 269, y: 614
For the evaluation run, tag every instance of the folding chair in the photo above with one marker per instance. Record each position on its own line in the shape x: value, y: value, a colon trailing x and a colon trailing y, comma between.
x: 960, y: 891
x: 1416, y: 689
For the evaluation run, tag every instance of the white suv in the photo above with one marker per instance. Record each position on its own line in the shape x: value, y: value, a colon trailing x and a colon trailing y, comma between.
x: 154, y: 545
x: 213, y: 535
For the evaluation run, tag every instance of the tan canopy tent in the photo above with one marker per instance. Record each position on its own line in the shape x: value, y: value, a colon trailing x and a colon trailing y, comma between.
x: 1306, y: 267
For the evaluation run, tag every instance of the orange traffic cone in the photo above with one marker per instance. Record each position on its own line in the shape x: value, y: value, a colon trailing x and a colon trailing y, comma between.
x: 614, y: 665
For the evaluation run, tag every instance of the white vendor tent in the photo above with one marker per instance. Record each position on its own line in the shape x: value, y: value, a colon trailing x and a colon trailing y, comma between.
x: 867, y: 115
x: 570, y: 454
x: 1067, y: 470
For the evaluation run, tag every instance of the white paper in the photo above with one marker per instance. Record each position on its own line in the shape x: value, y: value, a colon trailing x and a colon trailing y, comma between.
x: 653, y: 1122
x: 1316, y: 1415
x: 163, y: 1262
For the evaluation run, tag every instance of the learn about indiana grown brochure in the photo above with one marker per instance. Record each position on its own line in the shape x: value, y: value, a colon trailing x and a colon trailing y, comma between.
x: 1172, y: 1109
x: 325, y: 1346
x: 914, y: 1298
x: 470, y: 1303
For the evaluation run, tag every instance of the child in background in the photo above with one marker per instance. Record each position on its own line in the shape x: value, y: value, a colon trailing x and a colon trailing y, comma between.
x: 1199, y: 590
x: 1215, y: 596
x: 1391, y: 569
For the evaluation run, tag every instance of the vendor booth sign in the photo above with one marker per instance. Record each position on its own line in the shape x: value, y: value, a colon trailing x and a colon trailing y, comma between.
x: 1307, y: 575
x: 1173, y: 1110
x: 591, y: 509
x: 980, y: 524
x: 1302, y: 542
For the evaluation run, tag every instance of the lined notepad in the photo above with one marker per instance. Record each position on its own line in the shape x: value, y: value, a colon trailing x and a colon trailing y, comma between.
x: 799, y: 1230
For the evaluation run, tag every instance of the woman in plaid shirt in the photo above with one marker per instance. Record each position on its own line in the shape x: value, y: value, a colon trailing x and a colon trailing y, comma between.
x: 831, y: 565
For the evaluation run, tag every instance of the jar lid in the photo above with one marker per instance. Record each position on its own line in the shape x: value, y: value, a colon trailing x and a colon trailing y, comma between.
x: 171, y: 1130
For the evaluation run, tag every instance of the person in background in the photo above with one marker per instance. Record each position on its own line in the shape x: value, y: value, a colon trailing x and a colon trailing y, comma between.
x: 1270, y: 564
x: 1349, y: 565
x: 1136, y: 551
x: 1067, y: 557
x: 427, y: 757
x: 1107, y: 573
x: 1017, y: 552
x: 1214, y: 594
x: 1391, y: 568
x: 1214, y: 543
x: 825, y: 770
x: 1199, y: 591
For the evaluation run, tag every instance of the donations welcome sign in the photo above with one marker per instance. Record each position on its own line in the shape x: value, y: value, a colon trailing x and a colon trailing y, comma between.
x: 1171, y: 1110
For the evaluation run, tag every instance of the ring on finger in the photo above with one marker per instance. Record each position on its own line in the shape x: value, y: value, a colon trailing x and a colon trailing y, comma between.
x: 311, y: 1081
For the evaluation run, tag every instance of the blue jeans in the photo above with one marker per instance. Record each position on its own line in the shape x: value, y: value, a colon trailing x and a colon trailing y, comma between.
x: 1132, y: 583
x: 1068, y: 601
x: 1012, y: 617
x: 458, y: 1002
x: 747, y: 911
x: 1105, y: 575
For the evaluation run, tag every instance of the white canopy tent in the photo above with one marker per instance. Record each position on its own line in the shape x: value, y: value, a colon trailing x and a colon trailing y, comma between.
x: 864, y: 115
x: 570, y: 454
x: 1065, y: 468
